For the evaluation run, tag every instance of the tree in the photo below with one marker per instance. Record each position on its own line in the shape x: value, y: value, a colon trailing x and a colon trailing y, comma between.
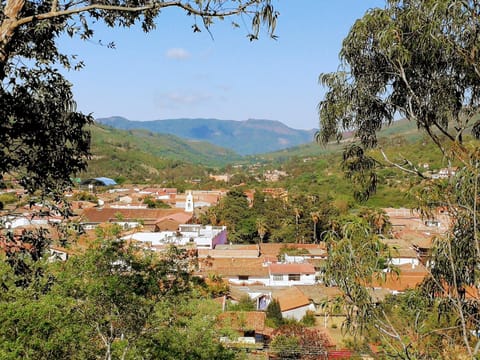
x: 297, y: 342
x: 262, y: 227
x: 234, y: 212
x: 420, y: 60
x: 43, y: 138
x: 416, y: 59
x: 315, y: 218
x: 274, y: 313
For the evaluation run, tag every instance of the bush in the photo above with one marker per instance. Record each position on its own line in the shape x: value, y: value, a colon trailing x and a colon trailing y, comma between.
x: 309, y: 319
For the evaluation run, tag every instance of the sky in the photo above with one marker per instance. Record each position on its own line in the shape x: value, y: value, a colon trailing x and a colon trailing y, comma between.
x: 172, y: 72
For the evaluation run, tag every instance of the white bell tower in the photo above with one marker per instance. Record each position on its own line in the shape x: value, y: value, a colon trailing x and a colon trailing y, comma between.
x: 189, y: 202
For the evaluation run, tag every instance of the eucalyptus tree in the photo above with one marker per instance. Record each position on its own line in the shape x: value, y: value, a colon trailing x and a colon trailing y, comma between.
x: 419, y: 60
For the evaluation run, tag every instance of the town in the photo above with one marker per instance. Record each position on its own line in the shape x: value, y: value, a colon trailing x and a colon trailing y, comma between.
x: 289, y: 272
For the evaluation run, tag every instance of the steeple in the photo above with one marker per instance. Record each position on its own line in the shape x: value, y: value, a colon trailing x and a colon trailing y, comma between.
x: 189, y: 202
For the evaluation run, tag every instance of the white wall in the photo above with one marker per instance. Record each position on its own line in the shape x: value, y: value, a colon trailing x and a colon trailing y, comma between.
x: 305, y: 279
x: 298, y: 313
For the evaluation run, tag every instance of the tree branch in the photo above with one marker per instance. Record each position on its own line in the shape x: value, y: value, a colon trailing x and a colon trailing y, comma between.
x: 414, y: 172
x: 153, y: 5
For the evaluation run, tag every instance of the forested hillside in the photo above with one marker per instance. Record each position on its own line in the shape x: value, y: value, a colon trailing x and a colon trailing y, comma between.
x: 244, y: 137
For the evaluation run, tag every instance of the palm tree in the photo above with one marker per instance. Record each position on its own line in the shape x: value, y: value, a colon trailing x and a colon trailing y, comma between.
x: 315, y: 218
x: 262, y: 227
x: 298, y: 214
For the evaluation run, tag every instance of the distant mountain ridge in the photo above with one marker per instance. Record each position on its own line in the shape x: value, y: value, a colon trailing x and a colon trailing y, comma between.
x: 247, y: 137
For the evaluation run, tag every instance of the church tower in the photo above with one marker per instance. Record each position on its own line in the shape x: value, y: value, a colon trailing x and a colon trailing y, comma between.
x: 189, y: 202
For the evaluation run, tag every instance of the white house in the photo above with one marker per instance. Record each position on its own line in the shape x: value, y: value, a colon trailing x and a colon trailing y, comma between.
x: 291, y: 274
x: 206, y: 237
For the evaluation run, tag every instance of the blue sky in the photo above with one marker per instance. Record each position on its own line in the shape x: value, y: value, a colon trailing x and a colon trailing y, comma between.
x: 175, y: 73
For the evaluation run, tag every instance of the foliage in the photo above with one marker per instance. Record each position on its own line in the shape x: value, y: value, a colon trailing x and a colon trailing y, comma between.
x: 244, y: 304
x: 298, y: 342
x: 84, y: 196
x: 309, y: 319
x: 155, y: 204
x: 418, y: 59
x: 392, y: 63
x: 274, y: 313
x: 44, y: 139
x: 357, y: 258
x: 8, y: 198
x: 378, y: 220
x: 114, y: 301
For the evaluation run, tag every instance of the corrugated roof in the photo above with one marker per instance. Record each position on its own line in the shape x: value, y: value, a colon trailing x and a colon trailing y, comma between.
x: 106, y: 181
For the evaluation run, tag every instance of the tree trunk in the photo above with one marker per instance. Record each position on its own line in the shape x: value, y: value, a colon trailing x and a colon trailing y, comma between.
x: 7, y: 29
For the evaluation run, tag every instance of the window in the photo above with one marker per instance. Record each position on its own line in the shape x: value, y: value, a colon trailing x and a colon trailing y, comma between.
x: 293, y: 277
x: 242, y: 277
x: 277, y: 277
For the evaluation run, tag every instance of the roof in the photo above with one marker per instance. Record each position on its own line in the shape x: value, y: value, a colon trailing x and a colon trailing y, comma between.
x: 180, y: 217
x: 273, y: 249
x: 408, y: 278
x: 103, y: 215
x: 106, y: 181
x: 291, y: 268
x: 100, y: 180
x: 244, y: 320
x: 291, y: 298
x: 225, y: 253
x: 234, y: 267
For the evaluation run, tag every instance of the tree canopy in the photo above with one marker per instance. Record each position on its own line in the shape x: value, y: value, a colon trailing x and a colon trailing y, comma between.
x: 416, y: 59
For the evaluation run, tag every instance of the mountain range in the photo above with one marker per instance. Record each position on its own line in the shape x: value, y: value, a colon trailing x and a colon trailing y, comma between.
x: 248, y: 137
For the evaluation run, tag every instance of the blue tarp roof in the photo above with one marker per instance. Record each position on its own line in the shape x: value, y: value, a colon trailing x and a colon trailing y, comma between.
x: 106, y: 181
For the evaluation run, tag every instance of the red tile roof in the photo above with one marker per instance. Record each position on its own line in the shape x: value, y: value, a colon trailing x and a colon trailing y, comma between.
x: 244, y: 320
x: 103, y: 215
x: 291, y: 298
x: 283, y: 269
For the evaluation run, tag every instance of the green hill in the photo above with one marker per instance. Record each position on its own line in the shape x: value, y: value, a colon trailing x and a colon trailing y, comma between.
x: 140, y: 155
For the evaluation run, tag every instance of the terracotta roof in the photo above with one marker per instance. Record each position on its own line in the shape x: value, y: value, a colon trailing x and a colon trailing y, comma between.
x: 220, y: 253
x: 319, y: 292
x: 291, y: 298
x: 244, y: 320
x: 407, y: 279
x: 236, y: 247
x: 102, y: 215
x: 273, y: 249
x: 234, y: 267
x: 180, y: 217
x: 304, y: 268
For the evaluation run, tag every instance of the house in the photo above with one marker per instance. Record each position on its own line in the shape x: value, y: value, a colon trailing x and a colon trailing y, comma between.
x: 223, y: 177
x: 291, y: 274
x: 192, y: 235
x: 229, y: 251
x: 293, y: 302
x: 408, y: 278
x: 128, y: 218
x: 249, y: 325
x: 171, y: 222
x: 236, y: 270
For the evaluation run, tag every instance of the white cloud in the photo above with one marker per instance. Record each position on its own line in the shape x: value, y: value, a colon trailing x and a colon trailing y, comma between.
x: 177, y: 54
x: 177, y: 99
